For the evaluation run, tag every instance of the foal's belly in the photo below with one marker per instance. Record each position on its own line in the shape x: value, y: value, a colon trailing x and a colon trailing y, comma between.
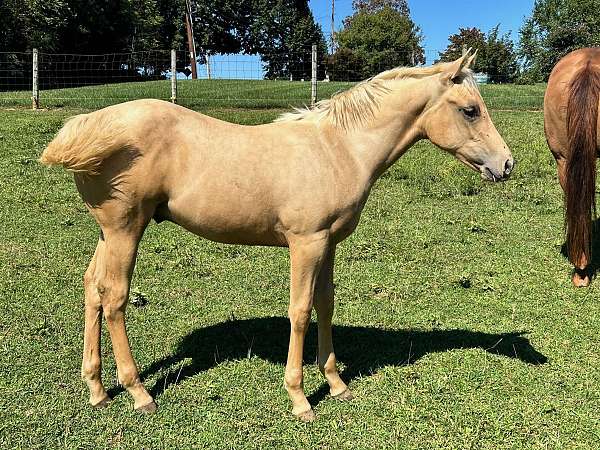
x: 225, y: 223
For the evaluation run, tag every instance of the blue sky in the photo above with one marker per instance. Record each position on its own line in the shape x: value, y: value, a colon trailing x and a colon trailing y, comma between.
x: 440, y: 18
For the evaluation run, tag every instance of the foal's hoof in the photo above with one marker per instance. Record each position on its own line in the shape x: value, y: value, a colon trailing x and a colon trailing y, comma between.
x: 147, y: 409
x: 102, y: 403
x: 581, y: 279
x: 306, y: 416
x: 344, y: 396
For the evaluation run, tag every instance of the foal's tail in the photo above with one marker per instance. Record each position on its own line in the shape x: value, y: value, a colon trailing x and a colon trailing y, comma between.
x: 580, y: 201
x: 84, y: 142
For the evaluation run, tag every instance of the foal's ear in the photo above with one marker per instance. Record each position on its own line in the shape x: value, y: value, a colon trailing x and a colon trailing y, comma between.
x: 455, y: 68
x: 472, y: 59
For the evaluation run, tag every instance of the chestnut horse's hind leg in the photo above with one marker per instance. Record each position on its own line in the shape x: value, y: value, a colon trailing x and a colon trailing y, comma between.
x: 307, y: 255
x: 324, y: 302
x: 91, y: 367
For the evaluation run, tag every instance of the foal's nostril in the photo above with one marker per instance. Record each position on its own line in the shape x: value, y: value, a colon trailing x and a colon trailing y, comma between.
x: 508, y: 166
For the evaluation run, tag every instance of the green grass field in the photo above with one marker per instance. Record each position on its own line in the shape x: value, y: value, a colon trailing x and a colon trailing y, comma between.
x: 456, y: 323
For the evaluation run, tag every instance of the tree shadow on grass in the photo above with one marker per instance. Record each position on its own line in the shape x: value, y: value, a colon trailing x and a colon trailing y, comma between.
x: 363, y: 350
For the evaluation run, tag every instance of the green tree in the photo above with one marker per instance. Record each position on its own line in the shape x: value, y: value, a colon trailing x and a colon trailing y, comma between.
x: 156, y: 24
x: 283, y: 33
x: 495, y: 54
x: 466, y: 38
x: 373, y: 6
x: 555, y: 28
x: 383, y: 39
x: 224, y: 26
x: 345, y: 65
x: 89, y: 26
x: 12, y: 37
x: 25, y: 24
x: 500, y: 58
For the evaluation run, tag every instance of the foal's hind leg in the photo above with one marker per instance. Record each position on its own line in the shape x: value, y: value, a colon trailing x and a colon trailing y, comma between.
x: 91, y: 367
x: 119, y: 259
x: 324, y: 306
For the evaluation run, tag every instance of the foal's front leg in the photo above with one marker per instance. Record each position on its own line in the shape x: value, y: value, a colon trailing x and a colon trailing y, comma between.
x: 324, y: 307
x: 306, y: 257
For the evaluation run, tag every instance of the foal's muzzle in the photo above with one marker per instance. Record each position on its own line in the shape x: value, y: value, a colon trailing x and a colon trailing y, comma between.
x: 491, y: 174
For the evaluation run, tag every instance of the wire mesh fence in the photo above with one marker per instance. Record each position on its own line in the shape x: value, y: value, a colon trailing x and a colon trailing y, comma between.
x: 16, y: 77
x: 275, y: 80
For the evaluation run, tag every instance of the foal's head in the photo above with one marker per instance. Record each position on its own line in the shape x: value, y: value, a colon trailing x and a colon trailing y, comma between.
x: 458, y: 122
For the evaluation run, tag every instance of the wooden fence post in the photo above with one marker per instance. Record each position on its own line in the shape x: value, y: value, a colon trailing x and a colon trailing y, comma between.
x: 35, y: 97
x: 313, y: 81
x: 173, y: 76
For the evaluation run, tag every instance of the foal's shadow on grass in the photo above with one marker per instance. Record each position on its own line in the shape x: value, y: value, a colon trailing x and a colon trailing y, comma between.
x: 594, y: 265
x: 363, y: 350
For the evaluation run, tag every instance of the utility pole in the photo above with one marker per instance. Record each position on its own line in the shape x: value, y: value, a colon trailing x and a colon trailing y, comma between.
x: 189, y: 25
x: 332, y: 25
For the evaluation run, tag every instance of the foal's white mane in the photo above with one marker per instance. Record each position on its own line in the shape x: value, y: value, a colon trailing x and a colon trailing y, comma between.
x: 357, y: 106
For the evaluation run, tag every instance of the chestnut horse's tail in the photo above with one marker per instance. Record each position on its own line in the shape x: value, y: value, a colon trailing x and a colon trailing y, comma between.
x: 85, y: 141
x: 580, y: 201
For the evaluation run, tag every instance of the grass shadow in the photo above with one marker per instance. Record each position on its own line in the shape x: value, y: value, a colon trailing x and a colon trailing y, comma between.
x: 364, y: 350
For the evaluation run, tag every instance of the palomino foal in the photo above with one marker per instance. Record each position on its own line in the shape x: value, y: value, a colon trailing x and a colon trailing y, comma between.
x: 300, y: 182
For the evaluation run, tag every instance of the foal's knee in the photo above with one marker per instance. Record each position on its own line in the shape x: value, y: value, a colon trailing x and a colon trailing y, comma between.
x: 300, y: 318
x: 112, y: 310
x: 90, y: 369
x: 113, y: 299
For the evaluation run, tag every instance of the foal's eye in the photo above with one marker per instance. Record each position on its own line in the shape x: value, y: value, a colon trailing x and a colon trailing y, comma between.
x: 470, y: 112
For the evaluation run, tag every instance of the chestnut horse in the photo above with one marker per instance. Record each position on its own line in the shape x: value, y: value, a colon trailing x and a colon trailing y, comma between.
x: 300, y: 182
x: 571, y: 125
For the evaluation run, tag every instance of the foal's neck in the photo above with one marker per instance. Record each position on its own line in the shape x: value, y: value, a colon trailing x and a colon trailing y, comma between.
x: 393, y: 130
x: 380, y: 144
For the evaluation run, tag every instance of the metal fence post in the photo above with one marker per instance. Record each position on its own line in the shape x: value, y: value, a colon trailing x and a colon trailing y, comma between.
x: 313, y: 81
x: 35, y: 97
x: 173, y: 76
